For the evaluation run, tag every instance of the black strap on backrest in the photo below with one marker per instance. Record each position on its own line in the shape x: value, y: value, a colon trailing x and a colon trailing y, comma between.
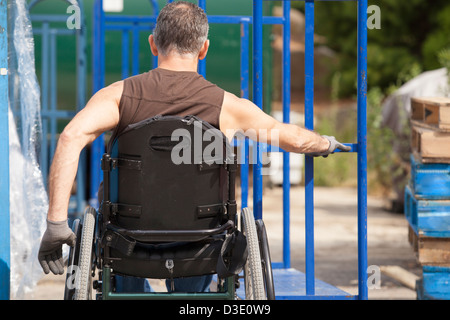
x: 163, y: 143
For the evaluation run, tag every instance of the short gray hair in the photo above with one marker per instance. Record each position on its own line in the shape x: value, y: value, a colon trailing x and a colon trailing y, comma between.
x: 181, y: 26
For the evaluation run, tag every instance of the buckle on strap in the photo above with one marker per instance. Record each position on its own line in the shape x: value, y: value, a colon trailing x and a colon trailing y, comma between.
x: 124, y: 210
x: 109, y: 164
x: 119, y: 242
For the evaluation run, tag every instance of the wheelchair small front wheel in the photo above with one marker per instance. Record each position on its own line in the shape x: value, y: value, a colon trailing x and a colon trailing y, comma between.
x: 84, y: 273
x: 253, y: 275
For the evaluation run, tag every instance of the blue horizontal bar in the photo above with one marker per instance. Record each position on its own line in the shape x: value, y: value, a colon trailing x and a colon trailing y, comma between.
x: 127, y: 27
x: 49, y: 18
x: 354, y: 147
x: 277, y: 265
x: 241, y: 19
x: 211, y: 19
x: 61, y: 32
x: 269, y: 148
x: 131, y: 19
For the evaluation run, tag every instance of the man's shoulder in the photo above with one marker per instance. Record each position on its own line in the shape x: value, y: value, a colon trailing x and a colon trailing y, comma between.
x: 140, y: 76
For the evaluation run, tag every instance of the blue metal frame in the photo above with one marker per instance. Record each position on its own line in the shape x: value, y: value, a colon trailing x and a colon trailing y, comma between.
x: 286, y: 100
x: 360, y: 147
x: 5, y: 256
x: 309, y: 161
x: 257, y: 20
x: 50, y: 112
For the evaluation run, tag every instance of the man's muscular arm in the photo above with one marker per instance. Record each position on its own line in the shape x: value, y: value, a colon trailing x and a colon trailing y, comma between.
x: 100, y: 114
x: 241, y: 114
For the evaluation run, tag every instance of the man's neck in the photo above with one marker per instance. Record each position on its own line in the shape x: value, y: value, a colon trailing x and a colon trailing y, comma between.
x: 177, y: 62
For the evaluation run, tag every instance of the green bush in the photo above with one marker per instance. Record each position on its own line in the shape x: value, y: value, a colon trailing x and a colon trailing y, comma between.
x: 412, y: 32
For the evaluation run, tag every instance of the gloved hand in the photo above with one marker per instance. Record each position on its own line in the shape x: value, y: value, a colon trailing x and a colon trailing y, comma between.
x: 334, y: 144
x: 50, y: 251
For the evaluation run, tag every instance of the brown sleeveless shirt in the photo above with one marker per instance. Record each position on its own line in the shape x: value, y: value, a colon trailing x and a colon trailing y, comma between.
x: 165, y: 92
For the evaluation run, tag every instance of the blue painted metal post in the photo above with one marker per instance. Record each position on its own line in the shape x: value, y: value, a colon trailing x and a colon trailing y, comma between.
x: 362, y: 149
x: 258, y: 100
x: 202, y: 63
x: 81, y: 102
x: 286, y: 119
x: 98, y: 146
x: 309, y: 161
x: 244, y: 94
x: 5, y: 255
x: 135, y: 52
x: 125, y: 53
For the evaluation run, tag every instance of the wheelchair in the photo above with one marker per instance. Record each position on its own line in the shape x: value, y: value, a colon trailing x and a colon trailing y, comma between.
x: 168, y: 211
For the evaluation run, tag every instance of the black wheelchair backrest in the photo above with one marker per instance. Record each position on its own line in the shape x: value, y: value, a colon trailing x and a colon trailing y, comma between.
x: 168, y: 173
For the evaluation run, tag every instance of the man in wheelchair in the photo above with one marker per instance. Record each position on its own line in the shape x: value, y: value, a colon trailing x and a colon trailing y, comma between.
x: 155, y: 104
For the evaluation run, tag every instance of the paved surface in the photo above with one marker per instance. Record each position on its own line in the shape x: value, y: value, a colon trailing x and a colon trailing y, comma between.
x: 335, y: 242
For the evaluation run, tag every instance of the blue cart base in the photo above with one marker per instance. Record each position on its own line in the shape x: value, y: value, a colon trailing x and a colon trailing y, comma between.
x: 290, y: 284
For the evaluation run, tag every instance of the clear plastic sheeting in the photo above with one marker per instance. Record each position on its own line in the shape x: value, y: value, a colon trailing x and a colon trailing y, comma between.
x: 29, y: 200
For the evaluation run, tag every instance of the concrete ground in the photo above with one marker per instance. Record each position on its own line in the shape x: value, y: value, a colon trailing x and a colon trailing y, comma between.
x: 335, y: 242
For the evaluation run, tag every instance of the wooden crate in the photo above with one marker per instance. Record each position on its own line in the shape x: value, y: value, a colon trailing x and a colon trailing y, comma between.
x: 430, y: 251
x: 429, y: 218
x: 429, y: 180
x: 434, y: 284
x: 433, y: 112
x: 430, y: 146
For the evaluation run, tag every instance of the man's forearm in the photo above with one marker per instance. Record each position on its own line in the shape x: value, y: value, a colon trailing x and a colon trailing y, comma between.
x: 62, y: 175
x: 293, y: 138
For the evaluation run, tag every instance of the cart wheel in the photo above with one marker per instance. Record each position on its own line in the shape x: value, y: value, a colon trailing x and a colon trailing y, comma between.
x: 265, y: 259
x: 83, y: 286
x: 74, y: 253
x: 253, y: 275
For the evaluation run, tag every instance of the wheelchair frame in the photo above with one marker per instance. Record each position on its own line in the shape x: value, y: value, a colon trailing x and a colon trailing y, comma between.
x: 91, y: 253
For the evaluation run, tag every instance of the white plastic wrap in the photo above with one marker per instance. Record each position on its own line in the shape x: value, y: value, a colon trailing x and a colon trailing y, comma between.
x: 29, y: 200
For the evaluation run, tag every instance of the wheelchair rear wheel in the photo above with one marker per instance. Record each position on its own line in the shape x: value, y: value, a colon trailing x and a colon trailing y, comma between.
x: 253, y: 273
x: 74, y: 253
x: 84, y: 272
x: 265, y: 259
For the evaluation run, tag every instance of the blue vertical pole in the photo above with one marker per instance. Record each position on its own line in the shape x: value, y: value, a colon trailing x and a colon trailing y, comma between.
x: 202, y: 63
x: 155, y: 13
x: 5, y: 255
x: 309, y: 161
x: 258, y: 100
x: 81, y: 101
x: 97, y: 147
x: 135, y: 54
x: 244, y: 94
x: 286, y: 119
x: 362, y: 149
x: 125, y: 53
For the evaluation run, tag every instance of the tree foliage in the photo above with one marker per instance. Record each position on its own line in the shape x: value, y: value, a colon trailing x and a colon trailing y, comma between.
x: 412, y: 34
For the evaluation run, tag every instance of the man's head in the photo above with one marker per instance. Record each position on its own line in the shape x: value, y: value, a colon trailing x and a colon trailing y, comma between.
x: 181, y: 28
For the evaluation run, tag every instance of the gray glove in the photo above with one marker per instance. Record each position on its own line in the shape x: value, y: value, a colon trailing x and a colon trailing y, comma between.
x: 334, y: 144
x: 50, y: 251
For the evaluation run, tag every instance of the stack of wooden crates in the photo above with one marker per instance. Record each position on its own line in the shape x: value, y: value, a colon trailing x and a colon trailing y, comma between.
x: 427, y: 196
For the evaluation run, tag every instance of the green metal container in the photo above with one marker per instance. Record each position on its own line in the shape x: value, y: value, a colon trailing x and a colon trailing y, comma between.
x: 223, y: 60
